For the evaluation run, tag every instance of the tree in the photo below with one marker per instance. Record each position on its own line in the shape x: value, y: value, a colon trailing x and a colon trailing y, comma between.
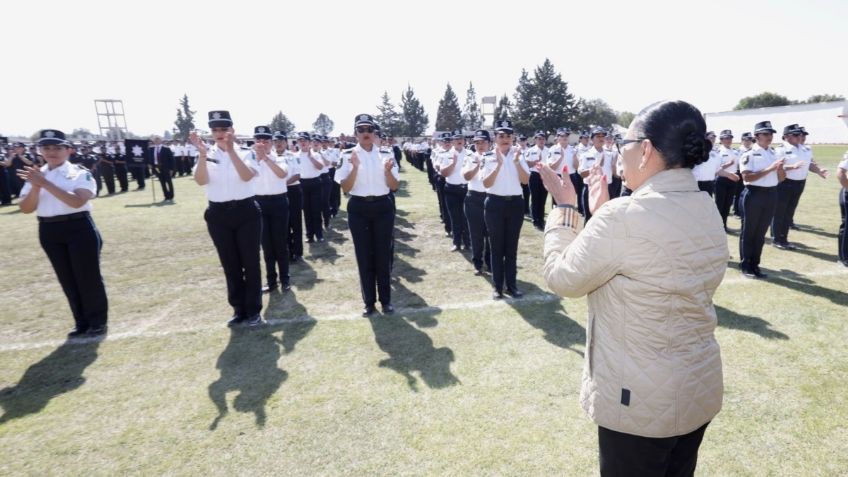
x: 449, y: 116
x: 543, y: 102
x: 595, y: 113
x: 281, y: 123
x: 81, y: 133
x: 825, y: 98
x: 185, y: 120
x: 762, y: 100
x: 504, y: 108
x: 323, y: 125
x: 471, y: 117
x: 389, y: 119
x: 415, y: 120
x: 625, y: 118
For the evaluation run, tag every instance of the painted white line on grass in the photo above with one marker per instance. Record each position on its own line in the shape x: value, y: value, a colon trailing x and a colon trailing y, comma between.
x: 143, y: 332
x: 827, y: 273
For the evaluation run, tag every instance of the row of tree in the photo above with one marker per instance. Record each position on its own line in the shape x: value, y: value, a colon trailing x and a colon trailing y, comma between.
x: 768, y: 99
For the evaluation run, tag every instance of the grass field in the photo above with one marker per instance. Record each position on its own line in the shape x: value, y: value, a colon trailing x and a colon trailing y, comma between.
x: 453, y: 384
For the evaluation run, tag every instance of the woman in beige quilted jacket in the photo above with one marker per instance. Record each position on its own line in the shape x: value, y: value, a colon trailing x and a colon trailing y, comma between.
x: 650, y: 264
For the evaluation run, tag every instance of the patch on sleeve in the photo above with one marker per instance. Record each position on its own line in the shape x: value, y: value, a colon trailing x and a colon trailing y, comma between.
x: 745, y: 160
x: 625, y: 397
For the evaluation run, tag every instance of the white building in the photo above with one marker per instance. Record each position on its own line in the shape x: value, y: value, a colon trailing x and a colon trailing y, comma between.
x: 827, y: 123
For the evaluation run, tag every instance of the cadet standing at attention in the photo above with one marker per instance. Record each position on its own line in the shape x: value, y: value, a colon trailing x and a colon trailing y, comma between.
x: 475, y: 200
x: 272, y: 197
x: 725, y: 185
x: 456, y: 187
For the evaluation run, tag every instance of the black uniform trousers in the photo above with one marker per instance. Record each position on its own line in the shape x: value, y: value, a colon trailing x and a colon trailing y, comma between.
x: 615, y: 187
x: 275, y: 236
x: 73, y: 247
x: 138, y: 173
x: 236, y: 230
x: 788, y: 195
x: 371, y: 221
x: 295, y: 235
x: 480, y: 249
x: 583, y: 203
x: 707, y: 186
x: 431, y: 172
x: 326, y: 191
x: 5, y: 187
x: 525, y: 191
x: 444, y: 214
x: 737, y: 196
x: 107, y: 170
x: 335, y: 193
x: 455, y: 203
x: 166, y: 182
x: 758, y: 205
x: 504, y: 217
x: 538, y: 197
x: 121, y: 173
x: 312, y: 208
x: 724, y: 192
x: 577, y: 182
x: 843, y: 227
x: 624, y: 454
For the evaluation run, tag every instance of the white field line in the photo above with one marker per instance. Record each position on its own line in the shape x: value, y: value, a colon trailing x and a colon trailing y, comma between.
x: 143, y: 330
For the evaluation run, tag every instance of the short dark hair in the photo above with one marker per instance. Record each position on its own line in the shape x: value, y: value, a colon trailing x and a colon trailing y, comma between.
x: 677, y: 130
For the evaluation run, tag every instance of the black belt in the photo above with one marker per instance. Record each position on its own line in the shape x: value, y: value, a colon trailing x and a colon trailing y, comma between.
x: 64, y: 218
x: 369, y: 198
x: 273, y: 196
x: 231, y: 204
x: 506, y: 197
x: 796, y: 180
x: 474, y: 193
x: 456, y: 186
x: 759, y: 188
x: 309, y: 180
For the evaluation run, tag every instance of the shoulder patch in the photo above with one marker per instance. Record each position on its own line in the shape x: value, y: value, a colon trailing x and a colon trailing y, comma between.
x: 745, y: 160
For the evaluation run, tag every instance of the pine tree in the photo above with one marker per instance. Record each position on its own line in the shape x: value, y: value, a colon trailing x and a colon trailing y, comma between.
x: 323, y: 125
x: 449, y: 116
x: 543, y: 102
x: 415, y: 120
x: 185, y: 120
x: 389, y: 119
x: 281, y: 123
x: 504, y: 108
x: 471, y: 117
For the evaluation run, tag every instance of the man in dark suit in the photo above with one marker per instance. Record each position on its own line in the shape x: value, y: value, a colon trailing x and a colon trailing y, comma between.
x: 161, y: 158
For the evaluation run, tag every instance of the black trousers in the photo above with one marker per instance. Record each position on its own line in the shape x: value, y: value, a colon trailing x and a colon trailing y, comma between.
x: 626, y: 191
x: 275, y: 237
x: 95, y: 172
x: 538, y: 197
x: 504, y: 217
x: 107, y: 170
x: 455, y: 203
x: 295, y: 220
x: 73, y: 248
x: 737, y: 196
x: 757, y: 212
x: 577, y: 182
x: 788, y: 195
x: 167, y: 184
x: 444, y: 214
x: 707, y: 186
x: 525, y: 191
x: 121, y: 173
x: 326, y: 191
x: 431, y: 172
x: 335, y: 193
x: 615, y: 187
x: 630, y: 455
x: 312, y: 208
x: 724, y: 192
x: 5, y: 187
x: 371, y: 225
x: 236, y: 230
x: 842, y: 240
x: 583, y: 203
x: 474, y: 214
x: 138, y: 174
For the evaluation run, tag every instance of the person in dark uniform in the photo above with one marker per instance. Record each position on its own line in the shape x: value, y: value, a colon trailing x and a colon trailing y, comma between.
x: 59, y: 193
x: 272, y: 197
x: 311, y: 167
x: 761, y: 171
x: 504, y: 209
x: 107, y: 167
x: 18, y: 159
x: 5, y: 179
x: 120, y: 166
x: 842, y: 238
x: 91, y: 161
x: 475, y: 201
x: 369, y: 179
x: 233, y: 217
x: 295, y: 196
x: 455, y: 189
x: 161, y: 159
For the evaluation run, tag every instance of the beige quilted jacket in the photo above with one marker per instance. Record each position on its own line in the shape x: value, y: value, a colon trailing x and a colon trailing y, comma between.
x: 650, y: 264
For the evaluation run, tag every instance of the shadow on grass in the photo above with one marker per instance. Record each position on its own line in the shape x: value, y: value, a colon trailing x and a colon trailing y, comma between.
x: 153, y: 204
x: 550, y: 317
x: 249, y: 367
x: 303, y: 276
x: 817, y: 231
x: 57, y: 373
x: 797, y: 282
x: 285, y: 313
x: 814, y: 253
x: 752, y: 324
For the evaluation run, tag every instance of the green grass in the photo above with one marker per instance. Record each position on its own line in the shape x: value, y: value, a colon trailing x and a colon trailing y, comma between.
x: 454, y: 384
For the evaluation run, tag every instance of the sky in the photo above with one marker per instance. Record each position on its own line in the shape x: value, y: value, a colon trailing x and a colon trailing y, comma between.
x: 256, y: 58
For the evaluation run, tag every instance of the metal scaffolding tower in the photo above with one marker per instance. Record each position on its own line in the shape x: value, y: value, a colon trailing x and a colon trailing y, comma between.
x: 488, y: 113
x: 111, y: 118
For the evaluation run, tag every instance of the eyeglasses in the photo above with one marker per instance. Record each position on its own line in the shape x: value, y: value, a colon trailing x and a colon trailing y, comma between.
x: 619, y: 143
x: 365, y: 129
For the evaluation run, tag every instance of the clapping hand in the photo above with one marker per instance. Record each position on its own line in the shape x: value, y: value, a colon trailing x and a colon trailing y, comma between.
x: 561, y: 188
x: 598, y: 190
x: 32, y: 175
x: 197, y: 142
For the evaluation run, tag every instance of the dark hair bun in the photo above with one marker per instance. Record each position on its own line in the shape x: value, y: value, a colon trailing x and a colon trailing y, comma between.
x: 696, y: 149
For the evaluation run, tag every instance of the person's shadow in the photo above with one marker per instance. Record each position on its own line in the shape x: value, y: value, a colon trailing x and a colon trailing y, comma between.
x: 57, y: 373
x: 730, y: 319
x: 549, y: 316
x: 249, y: 366
x: 285, y: 313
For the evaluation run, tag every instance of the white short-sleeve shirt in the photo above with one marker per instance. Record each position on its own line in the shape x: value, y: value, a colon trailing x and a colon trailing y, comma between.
x: 563, y: 155
x: 593, y: 156
x: 224, y: 182
x: 730, y: 157
x: 795, y: 155
x: 756, y: 160
x: 446, y: 159
x: 268, y: 183
x: 371, y: 176
x: 707, y: 170
x: 507, y: 182
x: 472, y: 161
x: 68, y: 177
x: 307, y: 168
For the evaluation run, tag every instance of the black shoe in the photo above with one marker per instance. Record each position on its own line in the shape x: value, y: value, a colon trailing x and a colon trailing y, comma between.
x: 844, y: 263
x: 254, y: 320
x: 269, y: 288
x: 748, y: 272
x: 448, y: 234
x: 781, y: 245
x: 478, y: 272
x: 388, y: 309
x: 320, y: 239
x: 96, y: 331
x: 455, y: 248
x: 236, y: 320
x: 286, y: 286
x: 368, y: 311
x: 497, y: 295
x: 514, y: 293
x: 757, y: 273
x: 794, y: 227
x: 309, y: 240
x: 76, y: 333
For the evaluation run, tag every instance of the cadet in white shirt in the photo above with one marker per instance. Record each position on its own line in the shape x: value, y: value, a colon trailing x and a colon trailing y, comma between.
x: 562, y: 157
x: 456, y: 187
x: 233, y: 217
x: 592, y: 156
x: 272, y: 197
x: 295, y: 196
x: 369, y: 179
x: 747, y: 144
x: 59, y: 193
x: 705, y: 173
x: 538, y: 154
x: 475, y: 200
x: 842, y: 238
x: 311, y: 168
x: 725, y: 185
x: 334, y: 155
x: 439, y: 181
x: 503, y: 209
x: 761, y: 171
